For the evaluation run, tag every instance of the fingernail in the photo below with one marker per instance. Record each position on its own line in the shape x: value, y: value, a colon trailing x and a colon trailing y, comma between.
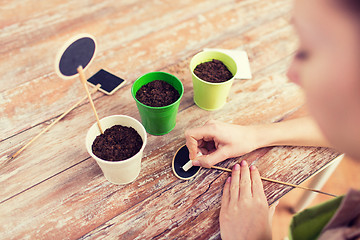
x: 196, y: 163
x: 243, y: 163
x: 252, y: 168
x: 228, y: 179
x: 237, y: 167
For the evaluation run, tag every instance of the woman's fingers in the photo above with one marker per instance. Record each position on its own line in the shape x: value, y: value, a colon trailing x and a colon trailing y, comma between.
x: 195, y: 137
x: 257, y: 186
x: 245, y: 182
x: 192, y: 144
x: 234, y: 185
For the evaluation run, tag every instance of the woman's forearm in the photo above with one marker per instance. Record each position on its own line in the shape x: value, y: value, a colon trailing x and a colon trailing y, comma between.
x: 297, y: 132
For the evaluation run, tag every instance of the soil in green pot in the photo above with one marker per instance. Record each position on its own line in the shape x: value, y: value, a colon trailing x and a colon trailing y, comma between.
x: 157, y: 93
x: 213, y: 71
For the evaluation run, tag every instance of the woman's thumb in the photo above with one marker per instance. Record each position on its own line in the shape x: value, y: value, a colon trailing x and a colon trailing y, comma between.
x: 211, y: 159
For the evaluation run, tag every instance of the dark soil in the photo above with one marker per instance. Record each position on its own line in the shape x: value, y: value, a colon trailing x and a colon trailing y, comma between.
x: 214, y: 71
x: 157, y: 93
x: 117, y: 143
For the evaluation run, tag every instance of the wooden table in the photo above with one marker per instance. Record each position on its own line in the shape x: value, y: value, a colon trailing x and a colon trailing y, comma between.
x: 54, y: 190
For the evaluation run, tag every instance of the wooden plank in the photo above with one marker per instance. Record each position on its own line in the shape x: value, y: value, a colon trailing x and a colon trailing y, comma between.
x: 55, y: 190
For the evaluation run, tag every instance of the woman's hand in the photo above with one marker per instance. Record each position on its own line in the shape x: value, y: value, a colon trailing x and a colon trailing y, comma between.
x: 218, y: 141
x: 245, y: 213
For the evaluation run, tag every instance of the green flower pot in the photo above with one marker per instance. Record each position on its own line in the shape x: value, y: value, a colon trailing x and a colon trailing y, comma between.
x: 207, y: 95
x: 158, y: 120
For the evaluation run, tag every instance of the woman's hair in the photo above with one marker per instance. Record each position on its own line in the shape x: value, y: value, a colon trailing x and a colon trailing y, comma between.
x: 352, y: 6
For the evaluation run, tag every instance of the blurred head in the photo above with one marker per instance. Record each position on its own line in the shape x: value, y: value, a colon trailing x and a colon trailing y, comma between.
x: 327, y: 67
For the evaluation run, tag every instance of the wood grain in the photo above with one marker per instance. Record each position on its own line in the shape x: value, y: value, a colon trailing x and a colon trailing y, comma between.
x: 55, y: 190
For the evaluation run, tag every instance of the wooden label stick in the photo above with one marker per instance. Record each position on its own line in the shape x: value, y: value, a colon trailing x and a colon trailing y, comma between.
x: 83, y: 80
x: 279, y: 182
